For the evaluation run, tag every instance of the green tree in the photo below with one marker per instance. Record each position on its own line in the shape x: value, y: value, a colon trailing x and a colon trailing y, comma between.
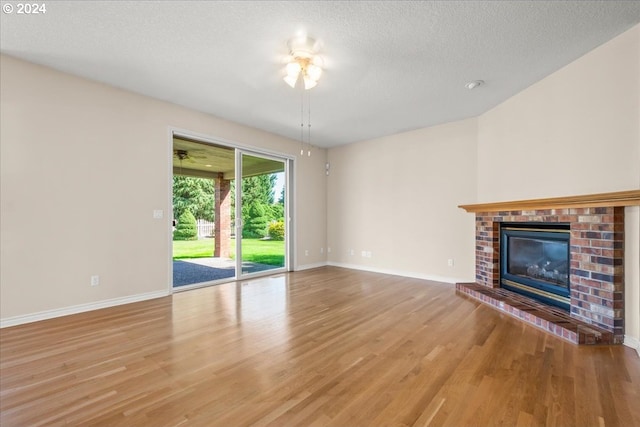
x: 195, y: 195
x: 281, y: 199
x: 187, y: 228
x: 258, y: 188
x: 277, y: 212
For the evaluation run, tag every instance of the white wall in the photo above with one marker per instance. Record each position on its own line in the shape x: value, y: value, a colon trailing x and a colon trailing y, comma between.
x: 397, y: 198
x: 83, y: 167
x: 588, y: 115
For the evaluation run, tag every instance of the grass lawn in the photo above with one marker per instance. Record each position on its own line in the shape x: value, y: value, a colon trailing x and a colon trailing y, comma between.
x: 202, y: 248
x: 269, y: 252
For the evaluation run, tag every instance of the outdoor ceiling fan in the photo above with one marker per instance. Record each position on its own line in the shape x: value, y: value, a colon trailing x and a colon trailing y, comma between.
x: 186, y: 155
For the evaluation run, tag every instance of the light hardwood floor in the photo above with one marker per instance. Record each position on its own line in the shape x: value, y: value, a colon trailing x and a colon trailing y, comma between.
x: 328, y: 346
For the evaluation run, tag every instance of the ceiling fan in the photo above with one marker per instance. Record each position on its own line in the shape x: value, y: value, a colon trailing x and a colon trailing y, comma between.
x: 186, y: 155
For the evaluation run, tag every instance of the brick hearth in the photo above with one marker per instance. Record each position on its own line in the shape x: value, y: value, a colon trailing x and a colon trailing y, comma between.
x: 553, y: 320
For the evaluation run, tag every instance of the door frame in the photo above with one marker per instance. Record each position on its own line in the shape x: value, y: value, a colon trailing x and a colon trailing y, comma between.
x: 289, y: 162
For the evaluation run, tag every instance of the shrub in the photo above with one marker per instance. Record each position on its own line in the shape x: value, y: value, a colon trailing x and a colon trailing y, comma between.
x: 276, y: 230
x: 256, y: 221
x: 187, y: 228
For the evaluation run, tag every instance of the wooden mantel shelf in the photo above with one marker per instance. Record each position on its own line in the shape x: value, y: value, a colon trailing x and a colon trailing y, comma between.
x: 619, y: 198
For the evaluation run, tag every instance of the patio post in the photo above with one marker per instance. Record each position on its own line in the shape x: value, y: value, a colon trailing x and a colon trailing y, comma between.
x: 222, y: 216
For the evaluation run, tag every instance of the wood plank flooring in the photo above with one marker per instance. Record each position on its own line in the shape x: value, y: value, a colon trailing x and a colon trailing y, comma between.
x: 328, y: 346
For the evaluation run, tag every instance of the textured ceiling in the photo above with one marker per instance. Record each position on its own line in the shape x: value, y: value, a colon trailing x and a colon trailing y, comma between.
x: 391, y: 66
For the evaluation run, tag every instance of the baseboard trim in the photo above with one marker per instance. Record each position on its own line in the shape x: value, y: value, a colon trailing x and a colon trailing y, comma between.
x: 310, y: 266
x: 633, y: 343
x: 413, y: 275
x: 81, y: 308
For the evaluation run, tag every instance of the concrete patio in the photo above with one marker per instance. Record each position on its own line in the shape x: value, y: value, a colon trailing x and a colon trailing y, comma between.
x: 199, y: 270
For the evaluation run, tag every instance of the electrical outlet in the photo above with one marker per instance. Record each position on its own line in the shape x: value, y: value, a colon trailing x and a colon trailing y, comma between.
x: 95, y: 280
x: 321, y: 250
x: 306, y: 252
x: 450, y: 262
x: 351, y: 252
x: 328, y: 250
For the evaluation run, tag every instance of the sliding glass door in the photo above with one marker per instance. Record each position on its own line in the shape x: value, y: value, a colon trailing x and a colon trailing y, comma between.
x: 230, y: 213
x: 261, y: 233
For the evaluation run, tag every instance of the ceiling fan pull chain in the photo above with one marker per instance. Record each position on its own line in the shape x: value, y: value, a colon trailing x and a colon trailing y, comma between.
x: 309, y: 124
x: 301, y: 122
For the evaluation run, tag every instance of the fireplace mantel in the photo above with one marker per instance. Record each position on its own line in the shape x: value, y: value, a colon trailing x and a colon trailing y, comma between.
x: 616, y: 199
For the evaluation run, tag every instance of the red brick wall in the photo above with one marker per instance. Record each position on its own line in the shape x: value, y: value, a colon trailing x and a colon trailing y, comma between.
x: 597, y: 258
x: 222, y: 217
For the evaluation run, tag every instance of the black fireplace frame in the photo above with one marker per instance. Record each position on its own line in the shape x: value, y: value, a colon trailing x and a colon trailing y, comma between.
x: 540, y: 290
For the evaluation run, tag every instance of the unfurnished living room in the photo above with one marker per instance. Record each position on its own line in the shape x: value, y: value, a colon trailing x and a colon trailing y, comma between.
x: 320, y: 213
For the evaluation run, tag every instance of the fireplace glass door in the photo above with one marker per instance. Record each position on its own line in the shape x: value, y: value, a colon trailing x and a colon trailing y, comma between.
x: 535, y: 261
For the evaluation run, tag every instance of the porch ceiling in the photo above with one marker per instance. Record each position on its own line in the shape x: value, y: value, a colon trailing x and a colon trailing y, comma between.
x: 207, y: 160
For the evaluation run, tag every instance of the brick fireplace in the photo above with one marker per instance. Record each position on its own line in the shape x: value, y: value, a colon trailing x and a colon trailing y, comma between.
x: 596, y: 311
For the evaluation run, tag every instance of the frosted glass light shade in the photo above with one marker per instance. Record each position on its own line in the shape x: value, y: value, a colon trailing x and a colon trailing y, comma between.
x: 314, y: 72
x: 293, y: 68
x: 291, y: 81
x: 309, y: 83
x: 293, y: 71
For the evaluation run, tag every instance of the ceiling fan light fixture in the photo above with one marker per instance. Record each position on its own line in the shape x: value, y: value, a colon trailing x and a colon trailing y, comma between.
x: 304, y: 64
x: 304, y: 61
